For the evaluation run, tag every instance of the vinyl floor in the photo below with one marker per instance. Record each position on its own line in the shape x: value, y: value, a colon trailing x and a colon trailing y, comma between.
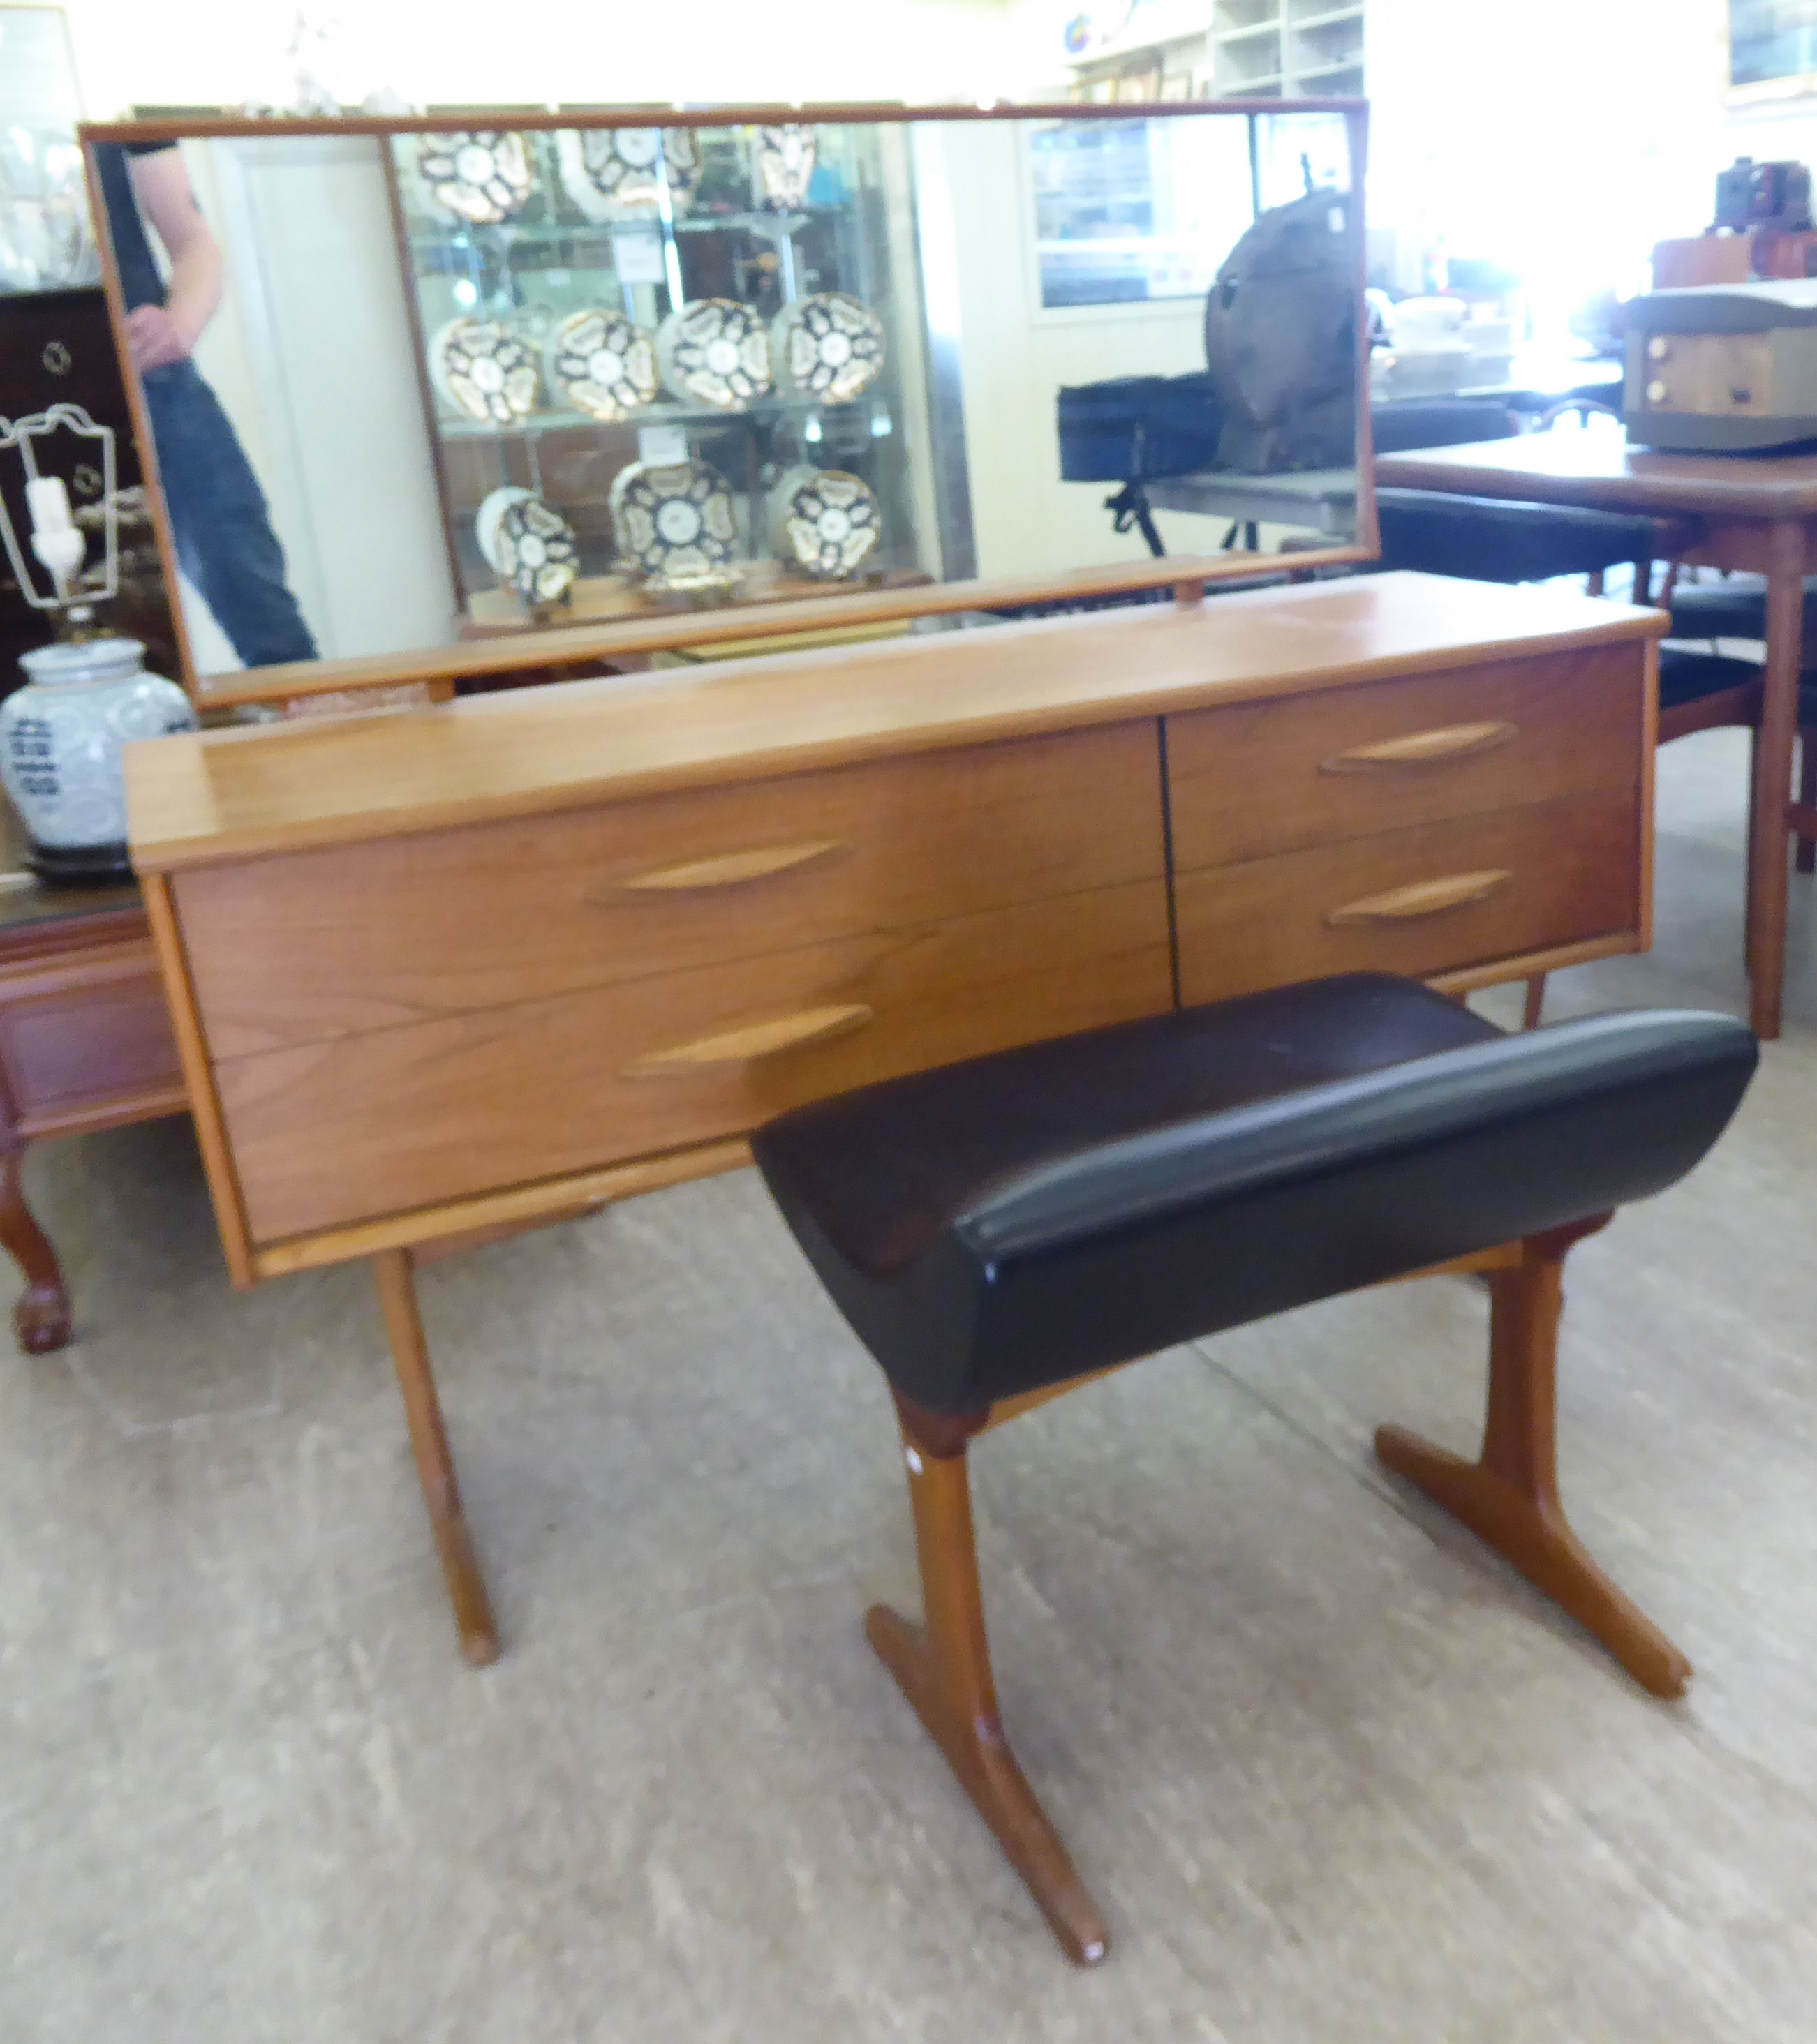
x: 1332, y: 1773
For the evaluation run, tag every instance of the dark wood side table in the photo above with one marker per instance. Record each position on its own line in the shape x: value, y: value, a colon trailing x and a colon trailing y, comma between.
x: 1753, y: 512
x: 85, y: 1043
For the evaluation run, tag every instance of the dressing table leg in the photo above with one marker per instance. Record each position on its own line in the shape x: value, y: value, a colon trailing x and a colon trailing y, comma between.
x: 435, y: 1465
x: 1508, y: 1497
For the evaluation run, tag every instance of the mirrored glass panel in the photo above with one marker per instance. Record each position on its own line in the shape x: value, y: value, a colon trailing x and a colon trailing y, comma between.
x: 465, y: 385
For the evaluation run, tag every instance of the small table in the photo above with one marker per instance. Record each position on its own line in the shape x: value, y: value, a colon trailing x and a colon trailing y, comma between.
x: 85, y: 1044
x: 1753, y: 512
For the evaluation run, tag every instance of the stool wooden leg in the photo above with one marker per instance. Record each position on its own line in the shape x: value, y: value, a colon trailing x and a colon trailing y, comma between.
x: 435, y: 1465
x: 943, y: 1668
x: 1509, y: 1496
x: 1535, y: 1002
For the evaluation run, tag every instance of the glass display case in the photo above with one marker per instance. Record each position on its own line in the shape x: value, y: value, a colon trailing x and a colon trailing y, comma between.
x: 665, y: 367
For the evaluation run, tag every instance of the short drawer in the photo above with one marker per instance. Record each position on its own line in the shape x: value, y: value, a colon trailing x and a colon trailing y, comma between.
x: 1270, y: 776
x: 304, y: 947
x: 96, y: 1049
x: 1429, y: 900
x: 341, y: 1131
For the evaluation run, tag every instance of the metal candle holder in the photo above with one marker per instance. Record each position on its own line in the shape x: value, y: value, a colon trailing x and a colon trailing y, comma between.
x: 56, y: 539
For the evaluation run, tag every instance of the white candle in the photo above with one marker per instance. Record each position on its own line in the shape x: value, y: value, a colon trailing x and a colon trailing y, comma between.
x: 49, y: 503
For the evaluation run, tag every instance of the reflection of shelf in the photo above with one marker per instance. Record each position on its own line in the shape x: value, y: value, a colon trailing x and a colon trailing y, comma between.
x: 666, y: 414
x: 509, y: 234
x: 494, y: 613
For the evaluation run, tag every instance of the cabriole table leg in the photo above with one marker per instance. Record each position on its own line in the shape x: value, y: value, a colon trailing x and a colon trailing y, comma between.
x: 42, y: 1315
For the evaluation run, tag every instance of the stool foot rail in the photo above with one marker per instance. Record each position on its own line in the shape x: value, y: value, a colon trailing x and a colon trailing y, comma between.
x: 1509, y: 1496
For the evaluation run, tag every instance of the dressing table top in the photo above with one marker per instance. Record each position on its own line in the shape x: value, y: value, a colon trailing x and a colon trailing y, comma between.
x: 197, y: 799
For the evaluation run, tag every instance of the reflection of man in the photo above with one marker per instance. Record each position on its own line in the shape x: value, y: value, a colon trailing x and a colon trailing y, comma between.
x: 218, y: 516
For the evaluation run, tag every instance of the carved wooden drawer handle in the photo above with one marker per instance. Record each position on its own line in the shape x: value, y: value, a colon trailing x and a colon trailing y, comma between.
x: 1420, y: 748
x: 1423, y: 897
x: 729, y: 869
x: 754, y: 1039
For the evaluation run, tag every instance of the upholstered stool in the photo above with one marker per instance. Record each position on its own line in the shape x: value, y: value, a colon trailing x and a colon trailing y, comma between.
x: 999, y: 1230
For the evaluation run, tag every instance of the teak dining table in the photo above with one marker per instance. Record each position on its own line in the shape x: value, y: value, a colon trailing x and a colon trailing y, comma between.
x: 1752, y: 513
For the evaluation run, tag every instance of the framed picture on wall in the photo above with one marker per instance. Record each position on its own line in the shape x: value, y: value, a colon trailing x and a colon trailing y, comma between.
x: 1772, y: 48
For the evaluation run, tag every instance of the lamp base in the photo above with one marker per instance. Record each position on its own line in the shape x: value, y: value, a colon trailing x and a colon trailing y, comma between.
x: 80, y: 866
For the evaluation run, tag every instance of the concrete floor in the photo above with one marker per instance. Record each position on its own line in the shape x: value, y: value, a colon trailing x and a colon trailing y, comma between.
x: 1333, y: 1773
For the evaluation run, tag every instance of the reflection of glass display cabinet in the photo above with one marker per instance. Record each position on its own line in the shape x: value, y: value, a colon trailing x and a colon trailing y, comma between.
x: 662, y: 368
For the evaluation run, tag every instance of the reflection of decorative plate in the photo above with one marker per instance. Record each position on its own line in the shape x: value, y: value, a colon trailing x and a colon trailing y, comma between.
x: 676, y: 526
x: 714, y: 351
x: 484, y: 370
x: 528, y: 545
x: 782, y: 159
x: 823, y: 522
x: 482, y: 177
x: 829, y: 347
x: 609, y: 171
x: 605, y: 365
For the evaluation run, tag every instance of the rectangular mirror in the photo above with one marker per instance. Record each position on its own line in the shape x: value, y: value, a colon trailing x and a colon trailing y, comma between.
x: 562, y: 388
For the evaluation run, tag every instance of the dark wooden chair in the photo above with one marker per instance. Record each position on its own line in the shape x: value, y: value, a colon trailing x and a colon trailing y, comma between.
x: 999, y: 1231
x: 1707, y: 692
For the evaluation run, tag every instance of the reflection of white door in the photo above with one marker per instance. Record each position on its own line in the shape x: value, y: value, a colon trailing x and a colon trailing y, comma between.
x: 312, y: 358
x: 1016, y: 356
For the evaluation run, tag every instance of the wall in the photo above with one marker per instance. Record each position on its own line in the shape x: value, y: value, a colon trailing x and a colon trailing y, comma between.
x: 225, y: 51
x: 1566, y: 136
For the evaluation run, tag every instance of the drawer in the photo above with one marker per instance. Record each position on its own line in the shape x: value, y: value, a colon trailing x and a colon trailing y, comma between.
x: 1269, y: 777
x: 1420, y: 901
x: 301, y: 948
x: 97, y: 1049
x: 343, y: 1130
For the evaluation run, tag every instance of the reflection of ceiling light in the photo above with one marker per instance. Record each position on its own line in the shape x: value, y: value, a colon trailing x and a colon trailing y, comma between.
x: 466, y: 292
x: 811, y: 430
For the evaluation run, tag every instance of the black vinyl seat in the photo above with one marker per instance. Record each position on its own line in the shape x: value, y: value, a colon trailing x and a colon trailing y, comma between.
x: 1485, y: 539
x: 1489, y: 539
x: 1735, y: 608
x: 995, y: 1231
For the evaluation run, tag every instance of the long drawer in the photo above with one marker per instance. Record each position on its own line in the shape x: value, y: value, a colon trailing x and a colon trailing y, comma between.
x: 1439, y: 896
x: 306, y: 947
x: 1272, y: 777
x: 357, y: 1126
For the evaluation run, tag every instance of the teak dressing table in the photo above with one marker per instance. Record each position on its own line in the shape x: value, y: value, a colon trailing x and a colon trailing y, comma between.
x: 445, y: 972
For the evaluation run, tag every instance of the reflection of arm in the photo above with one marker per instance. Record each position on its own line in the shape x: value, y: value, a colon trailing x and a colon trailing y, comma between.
x: 160, y: 335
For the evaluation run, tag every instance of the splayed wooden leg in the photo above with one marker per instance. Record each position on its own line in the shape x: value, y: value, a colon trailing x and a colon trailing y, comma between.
x: 435, y: 1465
x: 1534, y: 1006
x: 943, y: 1668
x: 1509, y: 1496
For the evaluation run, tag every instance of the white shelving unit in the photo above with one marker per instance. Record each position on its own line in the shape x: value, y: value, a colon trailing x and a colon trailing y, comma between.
x: 1286, y: 48
x: 1162, y: 38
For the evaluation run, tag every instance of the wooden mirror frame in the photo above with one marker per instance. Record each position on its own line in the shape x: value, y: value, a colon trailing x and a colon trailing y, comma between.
x: 558, y: 646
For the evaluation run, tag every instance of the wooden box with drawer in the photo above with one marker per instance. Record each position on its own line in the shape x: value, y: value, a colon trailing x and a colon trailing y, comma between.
x: 444, y: 972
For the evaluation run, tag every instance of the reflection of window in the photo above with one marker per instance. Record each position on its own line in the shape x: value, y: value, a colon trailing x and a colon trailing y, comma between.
x: 1297, y: 153
x: 1128, y: 210
x: 45, y: 241
x: 1771, y: 40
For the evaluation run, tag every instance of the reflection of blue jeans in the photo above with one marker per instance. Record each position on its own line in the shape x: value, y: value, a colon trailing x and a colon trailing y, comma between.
x: 219, y: 521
